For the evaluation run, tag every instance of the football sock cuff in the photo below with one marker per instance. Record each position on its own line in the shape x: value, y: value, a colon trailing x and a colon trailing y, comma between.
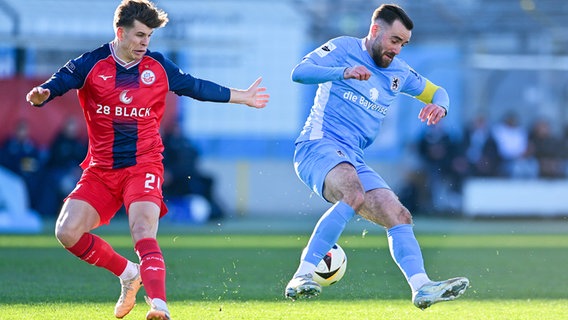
x: 96, y: 251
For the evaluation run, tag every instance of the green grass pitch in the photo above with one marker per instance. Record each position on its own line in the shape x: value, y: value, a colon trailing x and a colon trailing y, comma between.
x: 242, y: 276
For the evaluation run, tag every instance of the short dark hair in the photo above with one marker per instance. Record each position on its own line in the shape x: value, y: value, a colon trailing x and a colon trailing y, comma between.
x: 143, y: 11
x: 391, y: 12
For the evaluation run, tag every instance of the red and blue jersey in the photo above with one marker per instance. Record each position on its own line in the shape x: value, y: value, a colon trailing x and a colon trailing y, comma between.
x: 123, y: 103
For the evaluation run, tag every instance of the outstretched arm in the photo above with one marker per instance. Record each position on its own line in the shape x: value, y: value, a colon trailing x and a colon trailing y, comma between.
x: 37, y: 96
x: 308, y: 72
x: 252, y: 97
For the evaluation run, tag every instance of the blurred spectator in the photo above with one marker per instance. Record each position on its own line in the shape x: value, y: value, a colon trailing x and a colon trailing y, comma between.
x: 62, y: 170
x: 182, y: 175
x: 443, y: 168
x: 564, y: 148
x: 413, y: 193
x: 480, y: 149
x: 21, y: 155
x: 512, y: 143
x: 547, y: 150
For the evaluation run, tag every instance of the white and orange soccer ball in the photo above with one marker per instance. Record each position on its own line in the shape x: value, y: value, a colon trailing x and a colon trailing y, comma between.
x: 332, y: 267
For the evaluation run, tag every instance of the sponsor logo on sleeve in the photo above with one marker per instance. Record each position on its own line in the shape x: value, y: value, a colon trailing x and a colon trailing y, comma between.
x: 325, y: 49
x: 70, y: 66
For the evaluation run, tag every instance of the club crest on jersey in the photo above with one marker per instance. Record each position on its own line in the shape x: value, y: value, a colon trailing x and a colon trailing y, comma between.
x: 147, y: 77
x: 124, y: 98
x: 395, y: 83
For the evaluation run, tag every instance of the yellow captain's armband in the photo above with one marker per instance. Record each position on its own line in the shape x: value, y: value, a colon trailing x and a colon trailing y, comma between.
x: 428, y: 93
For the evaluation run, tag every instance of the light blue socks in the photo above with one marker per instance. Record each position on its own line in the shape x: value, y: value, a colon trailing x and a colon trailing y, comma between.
x: 326, y: 233
x: 404, y: 248
x: 407, y: 254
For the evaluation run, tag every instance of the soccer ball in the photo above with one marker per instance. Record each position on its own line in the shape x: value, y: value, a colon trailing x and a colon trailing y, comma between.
x: 332, y: 267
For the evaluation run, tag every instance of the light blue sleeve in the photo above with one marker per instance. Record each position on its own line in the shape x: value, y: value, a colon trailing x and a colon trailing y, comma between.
x: 325, y: 63
x: 308, y: 72
x: 442, y: 99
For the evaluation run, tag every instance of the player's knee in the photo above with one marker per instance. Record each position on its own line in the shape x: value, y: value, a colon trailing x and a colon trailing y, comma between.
x: 141, y: 230
x: 355, y: 200
x: 404, y: 216
x: 68, y: 232
x: 67, y: 236
x: 395, y: 217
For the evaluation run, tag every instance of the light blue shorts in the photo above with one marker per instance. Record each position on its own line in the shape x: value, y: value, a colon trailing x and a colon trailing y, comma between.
x: 315, y: 158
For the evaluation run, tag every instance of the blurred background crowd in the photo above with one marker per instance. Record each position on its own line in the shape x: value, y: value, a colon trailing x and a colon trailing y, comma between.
x: 504, y: 149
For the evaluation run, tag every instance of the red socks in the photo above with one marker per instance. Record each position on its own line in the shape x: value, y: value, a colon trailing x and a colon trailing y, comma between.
x: 152, y: 268
x: 94, y: 250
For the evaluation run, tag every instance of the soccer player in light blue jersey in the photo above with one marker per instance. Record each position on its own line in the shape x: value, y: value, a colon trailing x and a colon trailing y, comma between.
x: 358, y: 82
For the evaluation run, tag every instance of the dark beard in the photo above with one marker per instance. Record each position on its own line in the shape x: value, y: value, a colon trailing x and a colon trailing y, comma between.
x: 378, y: 55
x: 378, y: 59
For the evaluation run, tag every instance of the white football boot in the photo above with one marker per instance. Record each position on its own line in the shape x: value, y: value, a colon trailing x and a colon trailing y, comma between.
x: 158, y: 310
x: 302, y: 286
x: 433, y: 292
x: 128, y: 292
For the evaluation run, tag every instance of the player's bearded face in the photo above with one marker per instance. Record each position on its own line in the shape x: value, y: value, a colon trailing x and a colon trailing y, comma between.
x: 388, y: 42
x: 380, y: 55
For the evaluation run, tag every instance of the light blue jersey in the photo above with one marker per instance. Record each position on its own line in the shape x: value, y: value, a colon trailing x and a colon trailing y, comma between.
x: 345, y: 119
x: 352, y: 111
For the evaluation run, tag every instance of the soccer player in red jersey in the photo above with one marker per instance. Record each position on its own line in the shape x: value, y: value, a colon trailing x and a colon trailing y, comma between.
x: 122, y: 89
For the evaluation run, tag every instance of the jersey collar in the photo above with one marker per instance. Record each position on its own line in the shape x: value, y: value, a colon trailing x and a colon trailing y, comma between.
x: 126, y: 65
